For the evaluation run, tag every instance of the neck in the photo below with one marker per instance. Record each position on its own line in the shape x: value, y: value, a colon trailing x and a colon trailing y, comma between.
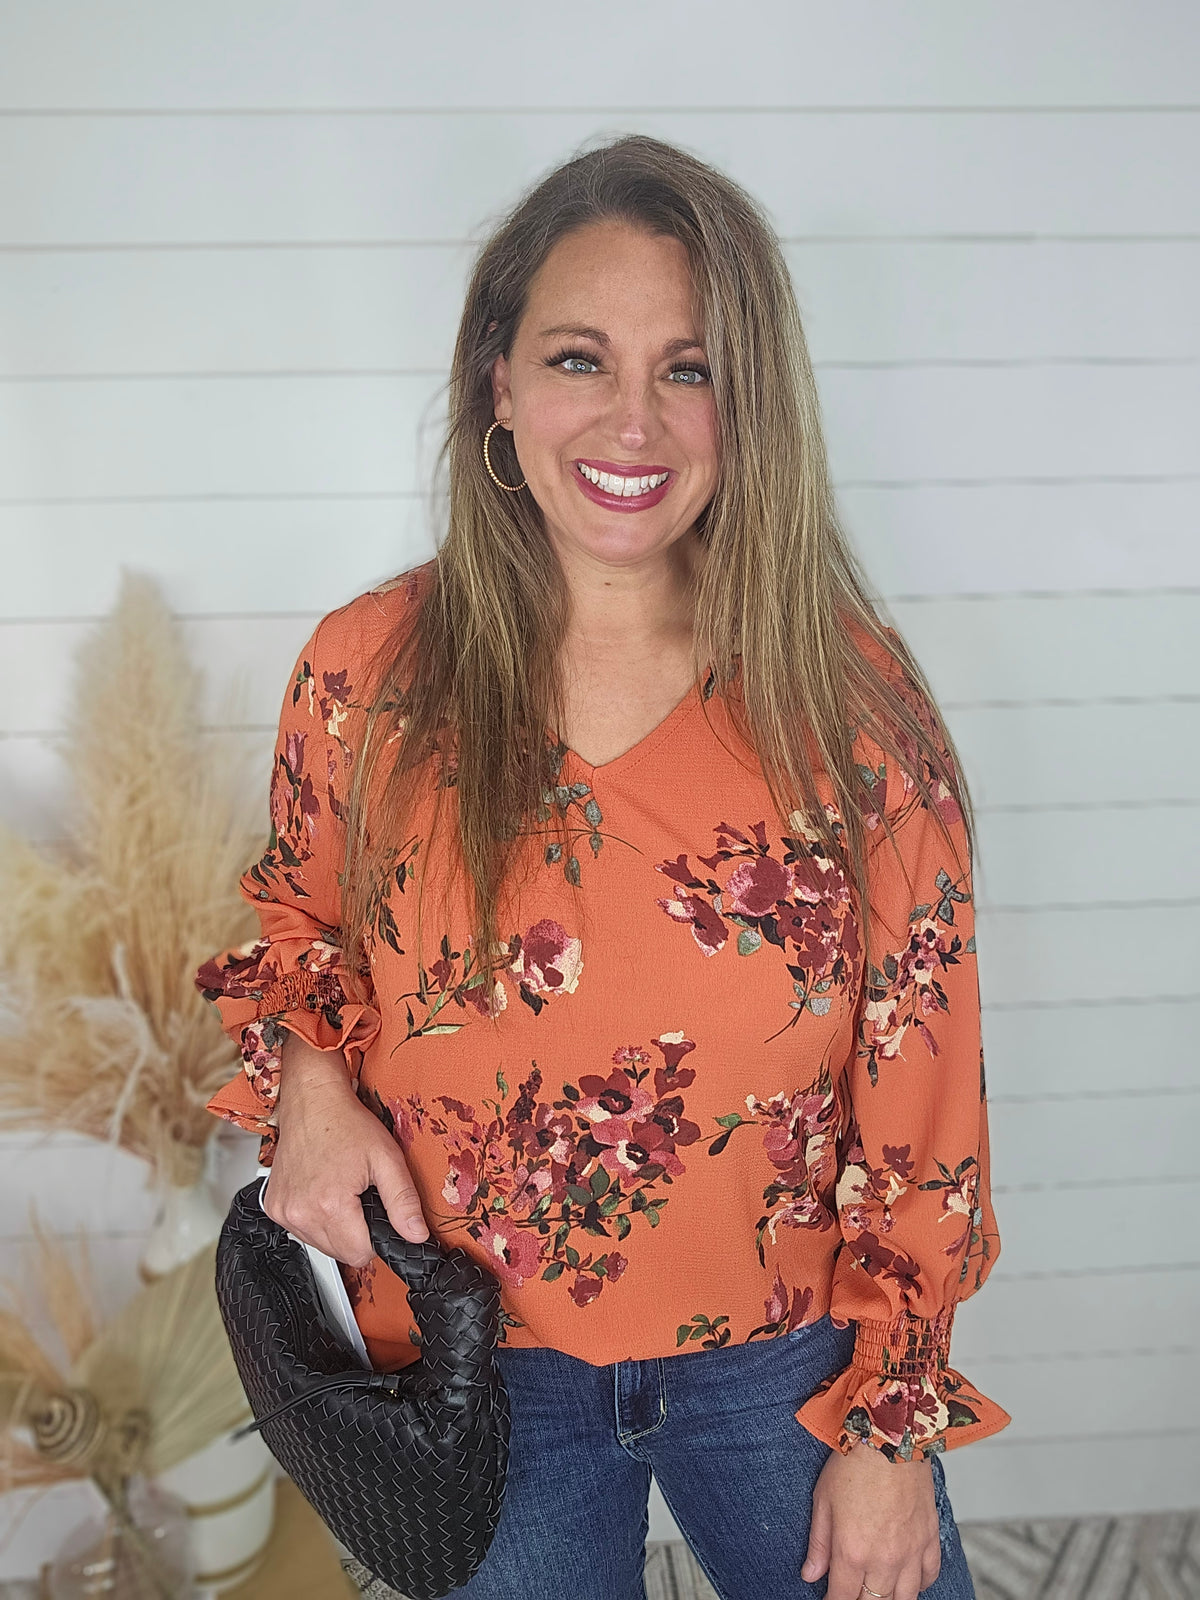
x: 634, y: 611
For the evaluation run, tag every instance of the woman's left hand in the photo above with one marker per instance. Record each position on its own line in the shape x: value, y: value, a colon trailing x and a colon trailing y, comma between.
x: 874, y: 1525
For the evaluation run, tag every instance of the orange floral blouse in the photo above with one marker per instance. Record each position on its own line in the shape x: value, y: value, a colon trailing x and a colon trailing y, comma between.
x: 683, y: 1117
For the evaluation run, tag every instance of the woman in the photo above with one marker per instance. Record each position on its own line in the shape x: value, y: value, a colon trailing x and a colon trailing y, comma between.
x: 617, y: 924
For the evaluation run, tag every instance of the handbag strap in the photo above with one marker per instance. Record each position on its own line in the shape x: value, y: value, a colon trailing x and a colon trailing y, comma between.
x: 380, y: 1382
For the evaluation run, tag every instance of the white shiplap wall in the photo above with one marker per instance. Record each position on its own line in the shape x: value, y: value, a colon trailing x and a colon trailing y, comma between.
x: 232, y: 247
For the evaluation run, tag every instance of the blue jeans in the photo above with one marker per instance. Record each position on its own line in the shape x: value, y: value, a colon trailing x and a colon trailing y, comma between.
x: 717, y: 1430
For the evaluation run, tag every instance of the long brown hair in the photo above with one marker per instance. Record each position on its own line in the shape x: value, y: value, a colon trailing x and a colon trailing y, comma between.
x: 779, y: 586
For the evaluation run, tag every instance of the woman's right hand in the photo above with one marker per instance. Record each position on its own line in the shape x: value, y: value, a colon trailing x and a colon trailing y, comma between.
x: 329, y: 1148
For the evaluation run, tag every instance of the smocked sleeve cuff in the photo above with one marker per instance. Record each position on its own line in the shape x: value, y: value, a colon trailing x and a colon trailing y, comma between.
x: 899, y: 1395
x: 259, y: 1007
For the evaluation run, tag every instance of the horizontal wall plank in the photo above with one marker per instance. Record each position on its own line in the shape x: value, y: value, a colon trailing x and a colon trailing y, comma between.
x: 68, y: 53
x: 1089, y: 1049
x: 214, y: 554
x: 36, y: 800
x: 1100, y: 1229
x: 988, y: 538
x: 430, y: 176
x: 1076, y: 647
x: 1058, y: 1147
x: 1080, y: 754
x: 1047, y: 857
x: 1089, y: 955
x: 1111, y: 1474
x: 1141, y: 1393
x: 1086, y: 648
x: 247, y: 557
x: 346, y: 308
x: 379, y: 435
x: 1051, y: 1321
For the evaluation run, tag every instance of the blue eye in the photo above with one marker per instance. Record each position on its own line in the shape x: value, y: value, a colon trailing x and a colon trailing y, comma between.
x: 698, y: 374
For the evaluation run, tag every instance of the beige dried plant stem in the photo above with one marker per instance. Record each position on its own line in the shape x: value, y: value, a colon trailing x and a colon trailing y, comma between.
x: 106, y: 1033
x: 165, y: 1356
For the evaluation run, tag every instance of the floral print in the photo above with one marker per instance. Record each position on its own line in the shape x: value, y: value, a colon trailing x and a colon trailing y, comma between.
x: 799, y: 899
x: 682, y: 1114
x: 527, y: 1179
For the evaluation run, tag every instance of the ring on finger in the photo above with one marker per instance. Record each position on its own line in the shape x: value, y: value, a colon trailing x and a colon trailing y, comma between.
x: 877, y: 1595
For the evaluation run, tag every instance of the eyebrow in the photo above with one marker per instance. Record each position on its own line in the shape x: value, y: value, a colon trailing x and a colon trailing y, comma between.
x: 673, y: 347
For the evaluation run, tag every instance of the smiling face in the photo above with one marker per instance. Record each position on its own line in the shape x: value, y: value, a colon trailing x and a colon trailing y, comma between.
x: 608, y: 394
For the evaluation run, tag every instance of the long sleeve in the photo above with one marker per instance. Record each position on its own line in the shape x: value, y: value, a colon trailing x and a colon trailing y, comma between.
x: 913, y: 1199
x: 291, y: 978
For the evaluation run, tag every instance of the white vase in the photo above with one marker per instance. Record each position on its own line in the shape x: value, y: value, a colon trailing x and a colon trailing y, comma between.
x: 186, y: 1220
x: 228, y: 1489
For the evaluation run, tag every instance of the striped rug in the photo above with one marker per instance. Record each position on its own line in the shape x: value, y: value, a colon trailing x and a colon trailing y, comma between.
x: 1088, y: 1558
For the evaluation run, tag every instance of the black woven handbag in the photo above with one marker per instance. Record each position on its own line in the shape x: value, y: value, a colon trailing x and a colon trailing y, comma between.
x: 406, y: 1468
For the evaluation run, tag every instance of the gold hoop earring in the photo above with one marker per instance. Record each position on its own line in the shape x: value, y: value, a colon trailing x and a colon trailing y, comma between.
x: 511, y: 487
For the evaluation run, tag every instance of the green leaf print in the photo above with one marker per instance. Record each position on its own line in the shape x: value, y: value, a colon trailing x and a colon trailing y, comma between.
x: 708, y: 1331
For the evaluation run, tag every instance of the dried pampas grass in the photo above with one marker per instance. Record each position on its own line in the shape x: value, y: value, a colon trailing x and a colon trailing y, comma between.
x: 104, y: 1032
x: 142, y: 1392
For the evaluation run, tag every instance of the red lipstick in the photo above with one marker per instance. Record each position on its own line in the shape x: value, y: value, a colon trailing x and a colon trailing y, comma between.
x: 621, y: 502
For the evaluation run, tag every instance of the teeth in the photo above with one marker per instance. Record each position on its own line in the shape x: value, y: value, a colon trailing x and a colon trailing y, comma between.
x: 623, y: 487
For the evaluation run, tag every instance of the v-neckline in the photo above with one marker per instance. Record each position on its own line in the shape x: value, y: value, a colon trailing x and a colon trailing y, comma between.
x: 648, y: 742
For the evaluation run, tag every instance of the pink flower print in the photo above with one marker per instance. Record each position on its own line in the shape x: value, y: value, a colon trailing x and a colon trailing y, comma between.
x: 777, y: 1300
x: 310, y: 808
x: 707, y: 928
x: 776, y: 1305
x: 899, y: 1158
x: 587, y: 1286
x: 245, y: 971
x: 487, y: 1004
x: 333, y: 701
x: 321, y: 956
x: 441, y: 972
x: 814, y: 936
x: 755, y: 886
x: 513, y: 1253
x: 629, y: 1129
x: 887, y: 1029
x: 553, y: 1136
x: 293, y: 752
x: 922, y: 960
x: 616, y: 1096
x: 462, y: 1180
x: 527, y: 1189
x: 670, y: 1076
x: 281, y: 794
x: 961, y: 1198
x: 538, y: 1132
x: 858, y: 1217
x: 549, y: 960
x: 814, y: 879
x: 634, y: 1055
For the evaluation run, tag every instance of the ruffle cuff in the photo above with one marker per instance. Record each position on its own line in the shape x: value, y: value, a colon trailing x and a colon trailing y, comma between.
x: 258, y: 1008
x: 899, y: 1395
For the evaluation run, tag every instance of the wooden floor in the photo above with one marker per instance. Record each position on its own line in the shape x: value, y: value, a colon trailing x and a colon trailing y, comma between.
x: 1091, y: 1558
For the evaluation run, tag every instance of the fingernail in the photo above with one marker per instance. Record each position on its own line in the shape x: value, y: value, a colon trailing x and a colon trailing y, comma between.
x: 418, y: 1229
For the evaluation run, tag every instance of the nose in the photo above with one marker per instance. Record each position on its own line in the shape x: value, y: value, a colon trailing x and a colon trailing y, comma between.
x: 635, y: 420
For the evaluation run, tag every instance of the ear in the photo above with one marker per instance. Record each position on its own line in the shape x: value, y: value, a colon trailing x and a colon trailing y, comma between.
x: 502, y: 407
